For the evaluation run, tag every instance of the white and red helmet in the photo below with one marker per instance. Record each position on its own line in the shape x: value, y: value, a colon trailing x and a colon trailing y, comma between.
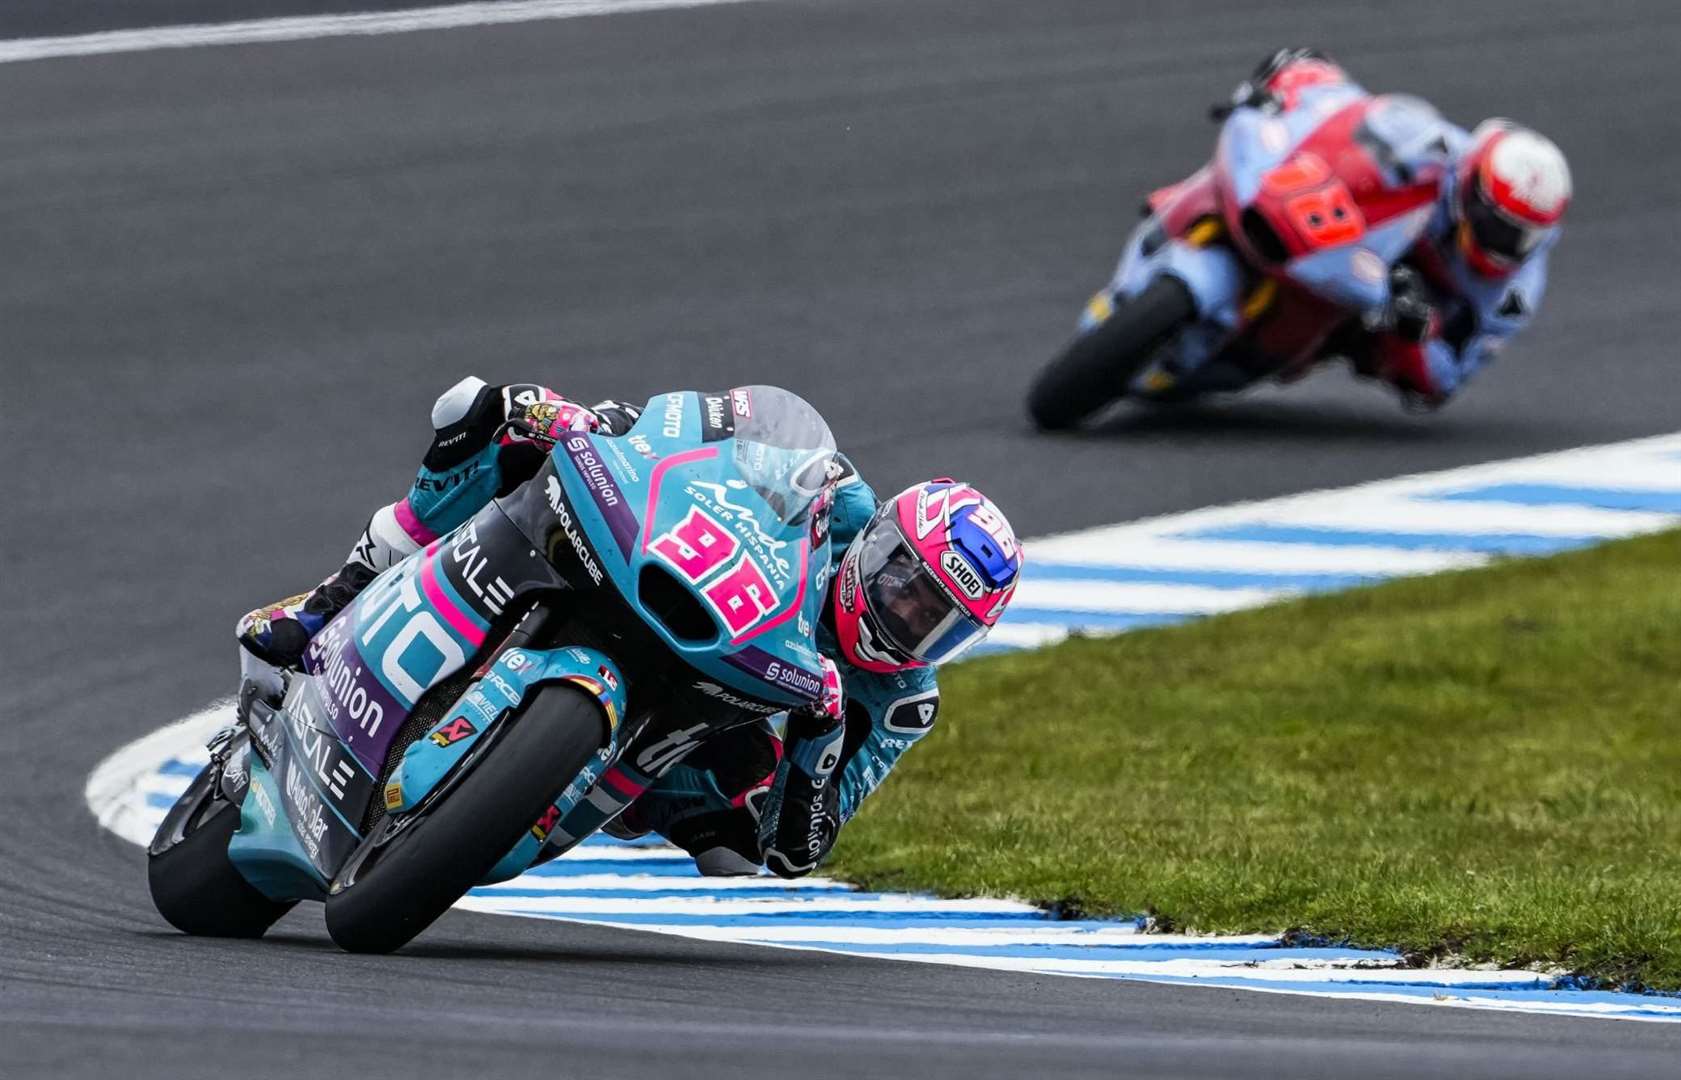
x: 926, y: 579
x: 1514, y: 186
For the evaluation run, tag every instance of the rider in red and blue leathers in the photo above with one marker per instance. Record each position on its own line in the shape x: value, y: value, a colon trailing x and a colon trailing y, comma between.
x: 773, y: 792
x: 1477, y: 274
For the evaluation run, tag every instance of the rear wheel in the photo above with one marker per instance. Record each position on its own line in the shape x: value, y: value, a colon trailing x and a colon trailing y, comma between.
x: 194, y: 884
x: 410, y: 870
x: 1097, y: 366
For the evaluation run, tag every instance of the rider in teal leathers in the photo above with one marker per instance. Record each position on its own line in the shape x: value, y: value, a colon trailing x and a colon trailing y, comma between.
x: 774, y: 791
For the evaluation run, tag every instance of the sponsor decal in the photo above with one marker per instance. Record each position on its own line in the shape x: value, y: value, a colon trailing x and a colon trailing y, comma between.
x: 607, y: 676
x: 326, y: 757
x: 849, y: 580
x: 609, y: 501
x: 961, y: 574
x: 741, y: 403
x: 781, y: 674
x: 580, y: 546
x: 642, y: 446
x: 545, y: 824
x: 469, y: 562
x: 717, y: 421
x: 453, y: 732
x: 671, y: 416
x: 746, y: 704
x: 259, y: 792
x: 662, y: 755
x: 625, y: 466
x: 393, y: 796
x: 438, y: 483
x: 347, y: 694
x: 309, y: 821
x: 912, y: 715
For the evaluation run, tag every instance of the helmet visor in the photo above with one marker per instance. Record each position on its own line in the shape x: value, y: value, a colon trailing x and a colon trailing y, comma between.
x: 915, y: 612
x: 1496, y: 232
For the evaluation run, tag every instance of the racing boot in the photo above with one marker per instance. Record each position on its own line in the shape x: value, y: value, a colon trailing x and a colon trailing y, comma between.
x: 278, y: 633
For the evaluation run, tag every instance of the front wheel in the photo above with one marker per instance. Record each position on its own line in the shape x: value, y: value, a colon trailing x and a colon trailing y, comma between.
x: 407, y: 873
x: 1097, y: 366
x: 194, y: 884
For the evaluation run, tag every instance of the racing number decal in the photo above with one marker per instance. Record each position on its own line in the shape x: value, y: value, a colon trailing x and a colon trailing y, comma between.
x: 697, y: 546
x: 700, y: 544
x: 743, y: 596
x: 1324, y: 216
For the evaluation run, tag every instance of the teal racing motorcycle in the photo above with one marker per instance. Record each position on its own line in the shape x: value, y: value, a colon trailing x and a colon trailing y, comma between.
x: 450, y: 728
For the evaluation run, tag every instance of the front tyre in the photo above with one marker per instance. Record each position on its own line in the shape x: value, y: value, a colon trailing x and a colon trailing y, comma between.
x: 407, y: 873
x: 194, y: 884
x: 1097, y: 366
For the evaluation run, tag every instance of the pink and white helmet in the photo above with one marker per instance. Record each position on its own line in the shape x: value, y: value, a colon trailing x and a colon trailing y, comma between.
x: 926, y: 579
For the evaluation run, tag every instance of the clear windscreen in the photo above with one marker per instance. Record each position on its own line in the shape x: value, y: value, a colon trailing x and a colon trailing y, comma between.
x: 783, y: 449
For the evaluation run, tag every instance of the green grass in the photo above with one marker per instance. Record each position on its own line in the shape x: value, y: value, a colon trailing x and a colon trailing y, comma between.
x: 1485, y: 763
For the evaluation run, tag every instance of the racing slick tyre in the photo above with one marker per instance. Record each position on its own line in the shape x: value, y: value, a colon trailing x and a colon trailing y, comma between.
x: 1096, y: 367
x: 411, y: 868
x: 194, y: 885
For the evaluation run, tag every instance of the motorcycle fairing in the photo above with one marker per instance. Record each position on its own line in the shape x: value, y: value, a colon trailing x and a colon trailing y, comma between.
x: 764, y: 593
x: 417, y: 624
x: 304, y: 791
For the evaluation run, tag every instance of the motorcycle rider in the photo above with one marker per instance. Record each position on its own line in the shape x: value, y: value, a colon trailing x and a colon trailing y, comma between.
x: 917, y: 580
x: 1477, y: 273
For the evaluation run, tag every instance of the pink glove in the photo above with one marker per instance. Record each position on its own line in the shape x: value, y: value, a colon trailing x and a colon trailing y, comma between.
x: 538, y: 414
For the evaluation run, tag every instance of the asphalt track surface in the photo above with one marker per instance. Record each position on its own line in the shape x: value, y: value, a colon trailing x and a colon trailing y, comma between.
x: 234, y: 278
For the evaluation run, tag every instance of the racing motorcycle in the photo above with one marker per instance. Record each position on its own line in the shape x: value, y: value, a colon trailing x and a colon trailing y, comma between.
x: 637, y: 595
x: 1250, y: 267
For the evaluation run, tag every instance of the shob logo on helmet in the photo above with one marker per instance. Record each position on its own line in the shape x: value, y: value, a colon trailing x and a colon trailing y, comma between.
x: 961, y: 574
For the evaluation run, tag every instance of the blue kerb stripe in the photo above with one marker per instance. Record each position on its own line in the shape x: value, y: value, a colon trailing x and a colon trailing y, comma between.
x: 1107, y: 620
x: 884, y: 919
x: 177, y: 767
x: 157, y: 800
x: 1494, y: 543
x: 1209, y: 579
x: 1143, y: 952
x: 1421, y: 988
x: 1662, y: 502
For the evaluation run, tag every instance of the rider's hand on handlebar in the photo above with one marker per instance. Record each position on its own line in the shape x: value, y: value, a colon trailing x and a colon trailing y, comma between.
x: 1410, y: 313
x: 825, y: 713
x: 537, y: 414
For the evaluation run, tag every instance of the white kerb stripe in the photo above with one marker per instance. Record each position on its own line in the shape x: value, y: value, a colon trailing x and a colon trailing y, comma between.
x: 304, y: 28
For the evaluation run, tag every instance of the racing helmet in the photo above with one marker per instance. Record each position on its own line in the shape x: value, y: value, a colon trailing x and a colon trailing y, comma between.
x: 1514, y: 186
x: 926, y: 579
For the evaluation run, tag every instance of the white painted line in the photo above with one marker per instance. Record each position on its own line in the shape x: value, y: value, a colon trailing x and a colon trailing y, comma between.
x: 309, y: 27
x: 1111, y: 596
x: 1128, y: 545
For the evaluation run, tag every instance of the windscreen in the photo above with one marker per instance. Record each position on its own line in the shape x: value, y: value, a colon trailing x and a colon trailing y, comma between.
x: 783, y: 449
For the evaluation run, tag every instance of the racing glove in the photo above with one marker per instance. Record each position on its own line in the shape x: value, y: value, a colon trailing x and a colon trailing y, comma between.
x: 1400, y: 331
x: 802, y: 812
